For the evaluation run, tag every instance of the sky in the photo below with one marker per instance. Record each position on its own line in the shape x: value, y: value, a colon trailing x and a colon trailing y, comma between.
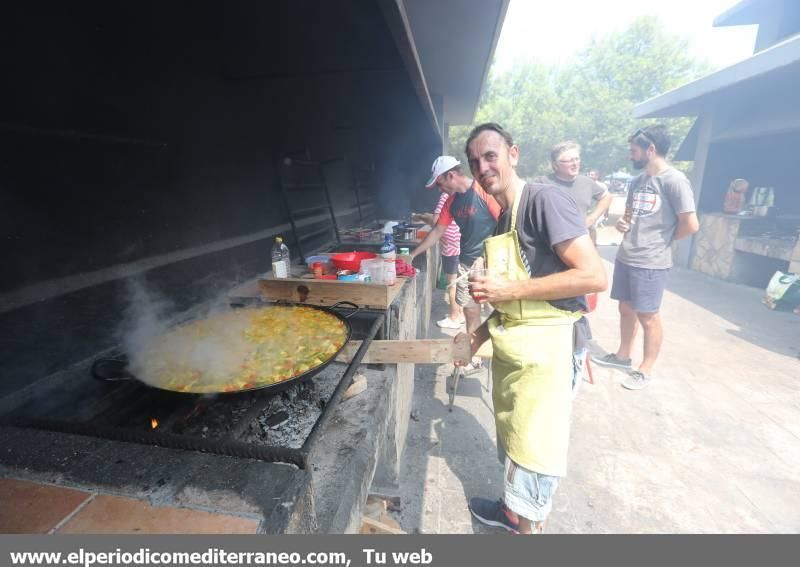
x: 551, y: 31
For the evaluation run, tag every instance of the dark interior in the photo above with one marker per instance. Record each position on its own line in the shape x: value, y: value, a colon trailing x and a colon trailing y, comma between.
x: 764, y: 161
x: 150, y: 139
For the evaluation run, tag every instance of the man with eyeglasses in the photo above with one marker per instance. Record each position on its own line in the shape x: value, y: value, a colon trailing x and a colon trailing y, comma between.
x: 660, y: 209
x: 565, y: 158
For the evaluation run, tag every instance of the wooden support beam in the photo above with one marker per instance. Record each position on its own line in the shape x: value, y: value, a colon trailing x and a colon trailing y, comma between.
x: 422, y: 351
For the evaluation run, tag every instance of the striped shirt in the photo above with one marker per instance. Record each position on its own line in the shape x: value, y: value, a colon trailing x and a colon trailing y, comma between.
x: 451, y: 239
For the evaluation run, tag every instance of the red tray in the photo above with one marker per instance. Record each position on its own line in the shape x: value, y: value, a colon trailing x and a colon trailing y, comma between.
x: 350, y: 260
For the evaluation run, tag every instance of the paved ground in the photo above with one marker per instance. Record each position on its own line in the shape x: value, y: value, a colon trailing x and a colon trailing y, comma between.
x: 712, y: 445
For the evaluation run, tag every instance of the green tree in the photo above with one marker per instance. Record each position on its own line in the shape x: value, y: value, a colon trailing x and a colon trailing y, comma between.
x: 589, y: 100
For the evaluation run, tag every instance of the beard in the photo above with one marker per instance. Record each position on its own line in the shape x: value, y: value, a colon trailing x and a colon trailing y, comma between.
x: 640, y: 163
x: 492, y: 185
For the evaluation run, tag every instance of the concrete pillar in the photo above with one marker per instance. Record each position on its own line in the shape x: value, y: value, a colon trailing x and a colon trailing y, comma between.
x: 683, y: 249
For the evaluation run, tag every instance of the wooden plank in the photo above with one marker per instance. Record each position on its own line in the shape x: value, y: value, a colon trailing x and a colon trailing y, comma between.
x: 370, y: 526
x: 393, y: 502
x: 328, y: 292
x: 359, y: 385
x: 423, y: 351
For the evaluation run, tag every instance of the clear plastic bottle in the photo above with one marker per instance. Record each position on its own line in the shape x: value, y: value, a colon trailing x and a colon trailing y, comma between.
x: 280, y: 259
x: 388, y: 251
x: 389, y: 254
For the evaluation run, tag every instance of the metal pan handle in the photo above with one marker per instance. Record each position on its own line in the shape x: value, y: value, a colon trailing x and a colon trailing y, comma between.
x: 355, y: 308
x: 111, y: 369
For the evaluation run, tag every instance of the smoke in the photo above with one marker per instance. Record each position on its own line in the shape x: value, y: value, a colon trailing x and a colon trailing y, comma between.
x: 147, y: 316
x: 161, y: 344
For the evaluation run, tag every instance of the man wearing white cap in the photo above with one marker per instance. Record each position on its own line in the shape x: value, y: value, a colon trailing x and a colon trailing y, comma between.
x: 474, y: 211
x: 450, y: 248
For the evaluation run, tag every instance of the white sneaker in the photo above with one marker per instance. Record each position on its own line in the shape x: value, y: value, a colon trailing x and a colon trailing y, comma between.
x: 448, y: 323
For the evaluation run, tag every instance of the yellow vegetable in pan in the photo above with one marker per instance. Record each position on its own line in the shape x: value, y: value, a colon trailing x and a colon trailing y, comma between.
x: 241, y: 349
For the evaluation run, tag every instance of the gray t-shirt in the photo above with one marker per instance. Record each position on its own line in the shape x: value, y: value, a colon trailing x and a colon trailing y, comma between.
x: 548, y: 216
x: 582, y: 189
x: 655, y: 203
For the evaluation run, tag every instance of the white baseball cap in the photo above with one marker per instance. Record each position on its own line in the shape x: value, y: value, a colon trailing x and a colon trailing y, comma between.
x: 440, y: 165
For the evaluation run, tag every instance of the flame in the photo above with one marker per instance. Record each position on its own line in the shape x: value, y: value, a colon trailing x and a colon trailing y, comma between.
x: 153, y: 423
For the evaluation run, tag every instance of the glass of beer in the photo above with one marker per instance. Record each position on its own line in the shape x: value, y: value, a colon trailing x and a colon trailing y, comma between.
x: 475, y: 273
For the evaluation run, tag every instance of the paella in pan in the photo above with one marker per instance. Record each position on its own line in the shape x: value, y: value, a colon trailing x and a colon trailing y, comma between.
x: 242, y: 349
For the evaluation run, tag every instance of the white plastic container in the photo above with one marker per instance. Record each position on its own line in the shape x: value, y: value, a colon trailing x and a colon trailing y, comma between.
x: 375, y: 267
x: 280, y: 259
x: 389, y: 272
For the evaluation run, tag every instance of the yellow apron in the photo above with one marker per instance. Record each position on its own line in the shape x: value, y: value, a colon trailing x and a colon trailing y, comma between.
x: 532, y: 366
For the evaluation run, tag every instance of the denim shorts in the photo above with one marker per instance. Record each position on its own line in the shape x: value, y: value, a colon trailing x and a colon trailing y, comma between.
x: 643, y: 288
x: 450, y: 264
x: 526, y: 492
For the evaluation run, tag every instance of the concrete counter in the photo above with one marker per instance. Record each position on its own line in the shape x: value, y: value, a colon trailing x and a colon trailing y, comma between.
x: 361, y: 445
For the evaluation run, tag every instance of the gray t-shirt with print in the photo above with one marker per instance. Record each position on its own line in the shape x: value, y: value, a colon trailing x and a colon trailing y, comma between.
x: 582, y: 189
x: 655, y: 203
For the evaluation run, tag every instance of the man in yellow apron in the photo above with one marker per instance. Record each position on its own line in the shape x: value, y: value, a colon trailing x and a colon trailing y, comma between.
x: 540, y: 264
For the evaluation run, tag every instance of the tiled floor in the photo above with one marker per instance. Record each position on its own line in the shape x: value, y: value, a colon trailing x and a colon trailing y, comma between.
x: 30, y: 508
x: 114, y: 515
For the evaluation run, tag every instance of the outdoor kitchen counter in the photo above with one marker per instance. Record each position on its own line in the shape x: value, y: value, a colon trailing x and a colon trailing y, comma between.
x: 120, y: 487
x: 134, y: 488
x: 364, y: 440
x: 427, y: 265
x: 726, y: 244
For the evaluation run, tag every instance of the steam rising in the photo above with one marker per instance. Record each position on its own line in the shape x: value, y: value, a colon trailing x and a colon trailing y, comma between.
x: 220, y: 347
x: 155, y: 343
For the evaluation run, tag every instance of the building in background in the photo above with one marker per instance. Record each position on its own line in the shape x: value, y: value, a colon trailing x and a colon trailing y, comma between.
x: 748, y: 127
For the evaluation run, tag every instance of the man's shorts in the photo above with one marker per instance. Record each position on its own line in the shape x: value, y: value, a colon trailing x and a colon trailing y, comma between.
x: 526, y: 492
x: 450, y: 265
x: 643, y: 288
x: 463, y: 297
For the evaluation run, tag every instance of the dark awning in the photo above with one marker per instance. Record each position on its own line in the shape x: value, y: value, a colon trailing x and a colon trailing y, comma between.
x: 743, y: 13
x: 447, y: 46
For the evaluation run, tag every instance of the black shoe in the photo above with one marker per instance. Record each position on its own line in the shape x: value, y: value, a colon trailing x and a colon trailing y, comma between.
x: 492, y: 513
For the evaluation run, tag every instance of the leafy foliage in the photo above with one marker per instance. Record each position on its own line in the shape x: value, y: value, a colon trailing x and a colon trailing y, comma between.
x: 590, y: 100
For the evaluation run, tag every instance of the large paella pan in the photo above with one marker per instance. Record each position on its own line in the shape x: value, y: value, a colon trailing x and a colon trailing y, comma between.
x: 236, y: 351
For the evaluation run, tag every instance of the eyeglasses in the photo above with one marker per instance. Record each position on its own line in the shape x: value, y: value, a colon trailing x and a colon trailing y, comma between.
x: 569, y: 161
x: 641, y: 132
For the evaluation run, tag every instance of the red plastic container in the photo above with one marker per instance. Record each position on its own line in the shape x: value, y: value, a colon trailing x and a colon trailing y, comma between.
x: 591, y: 301
x: 350, y: 260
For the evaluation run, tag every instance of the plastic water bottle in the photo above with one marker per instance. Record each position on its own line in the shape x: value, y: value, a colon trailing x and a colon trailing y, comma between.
x: 388, y: 251
x: 280, y: 259
x: 389, y: 254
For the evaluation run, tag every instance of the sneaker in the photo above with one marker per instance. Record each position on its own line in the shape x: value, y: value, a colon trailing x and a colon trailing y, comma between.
x: 493, y: 513
x: 612, y: 361
x: 636, y: 381
x: 448, y: 323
